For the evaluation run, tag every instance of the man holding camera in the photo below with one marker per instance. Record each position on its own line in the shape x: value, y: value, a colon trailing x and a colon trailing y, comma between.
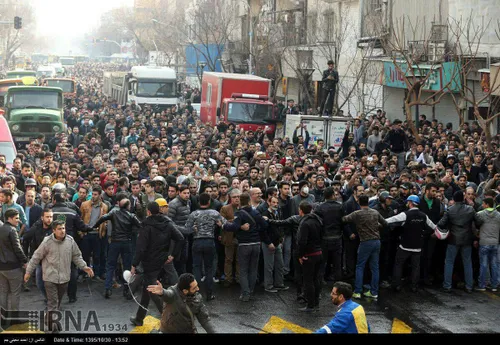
x: 329, y: 82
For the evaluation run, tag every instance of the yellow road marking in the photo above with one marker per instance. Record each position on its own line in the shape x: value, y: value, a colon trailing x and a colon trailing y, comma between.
x: 150, y: 323
x: 399, y: 327
x: 277, y: 325
x: 492, y: 295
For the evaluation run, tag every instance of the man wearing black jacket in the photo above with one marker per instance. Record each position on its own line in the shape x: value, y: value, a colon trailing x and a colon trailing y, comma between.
x: 159, y: 239
x: 121, y: 240
x: 329, y: 83
x: 247, y: 225
x: 32, y: 240
x: 351, y: 237
x: 12, y: 258
x: 398, y: 142
x: 432, y: 208
x: 272, y: 249
x: 309, y: 239
x: 331, y: 212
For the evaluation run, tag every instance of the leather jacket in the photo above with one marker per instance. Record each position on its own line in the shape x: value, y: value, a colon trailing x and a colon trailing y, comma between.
x: 331, y: 212
x: 122, y: 221
x: 459, y: 220
x: 179, y: 312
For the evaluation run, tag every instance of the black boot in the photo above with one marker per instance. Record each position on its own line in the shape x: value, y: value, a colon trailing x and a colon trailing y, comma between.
x: 108, y: 293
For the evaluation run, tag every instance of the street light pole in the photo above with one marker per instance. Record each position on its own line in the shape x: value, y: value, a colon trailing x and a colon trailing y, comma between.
x: 250, y: 34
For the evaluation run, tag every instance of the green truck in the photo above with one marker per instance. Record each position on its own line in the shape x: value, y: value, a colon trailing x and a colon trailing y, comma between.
x: 33, y: 110
x: 20, y: 74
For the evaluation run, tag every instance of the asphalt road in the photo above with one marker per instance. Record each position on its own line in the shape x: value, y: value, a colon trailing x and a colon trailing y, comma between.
x: 428, y: 311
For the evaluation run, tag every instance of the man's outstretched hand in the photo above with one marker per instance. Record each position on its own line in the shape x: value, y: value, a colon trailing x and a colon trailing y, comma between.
x: 156, y: 289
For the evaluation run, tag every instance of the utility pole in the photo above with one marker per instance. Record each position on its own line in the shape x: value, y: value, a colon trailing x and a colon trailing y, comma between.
x: 250, y: 34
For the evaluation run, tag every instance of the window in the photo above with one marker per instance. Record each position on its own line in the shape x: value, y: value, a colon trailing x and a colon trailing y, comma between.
x: 248, y: 112
x: 156, y: 89
x: 329, y: 29
x: 209, y: 94
x: 65, y: 85
x: 375, y: 6
x: 34, y: 99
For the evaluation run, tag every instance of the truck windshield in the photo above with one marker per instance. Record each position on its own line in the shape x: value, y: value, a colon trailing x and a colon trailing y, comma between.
x: 65, y: 85
x: 33, y: 99
x: 67, y: 62
x: 45, y: 74
x: 20, y: 74
x: 156, y: 89
x: 249, y: 112
x: 8, y: 151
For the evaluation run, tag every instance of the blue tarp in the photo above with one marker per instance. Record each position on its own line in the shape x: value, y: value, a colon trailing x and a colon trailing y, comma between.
x: 203, y: 53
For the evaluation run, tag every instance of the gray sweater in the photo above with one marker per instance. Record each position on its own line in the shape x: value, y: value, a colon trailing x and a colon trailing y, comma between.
x: 205, y: 221
x: 372, y: 141
x: 489, y: 227
x: 296, y: 200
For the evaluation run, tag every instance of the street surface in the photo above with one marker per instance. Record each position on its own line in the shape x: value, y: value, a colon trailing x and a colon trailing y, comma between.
x: 428, y: 311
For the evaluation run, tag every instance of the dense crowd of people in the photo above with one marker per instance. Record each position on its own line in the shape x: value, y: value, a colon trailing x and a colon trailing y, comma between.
x: 160, y: 193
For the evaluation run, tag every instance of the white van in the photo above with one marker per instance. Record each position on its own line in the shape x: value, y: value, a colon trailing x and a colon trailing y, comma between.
x: 46, y: 72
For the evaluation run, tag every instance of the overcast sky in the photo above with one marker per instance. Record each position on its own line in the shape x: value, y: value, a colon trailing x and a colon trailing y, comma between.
x: 65, y: 20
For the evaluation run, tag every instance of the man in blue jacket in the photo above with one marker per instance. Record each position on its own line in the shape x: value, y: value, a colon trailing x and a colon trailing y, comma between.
x: 350, y: 317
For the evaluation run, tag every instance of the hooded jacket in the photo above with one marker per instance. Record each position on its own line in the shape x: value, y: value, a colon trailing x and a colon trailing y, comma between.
x: 56, y: 257
x: 158, y: 239
x: 489, y: 223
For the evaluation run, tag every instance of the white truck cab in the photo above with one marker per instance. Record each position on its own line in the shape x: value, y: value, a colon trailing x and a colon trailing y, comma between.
x: 153, y: 85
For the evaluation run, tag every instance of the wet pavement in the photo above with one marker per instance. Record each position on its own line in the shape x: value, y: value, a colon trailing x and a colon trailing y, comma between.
x: 427, y: 311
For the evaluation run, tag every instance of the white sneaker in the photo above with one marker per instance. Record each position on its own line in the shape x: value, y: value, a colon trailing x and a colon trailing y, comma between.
x: 203, y: 278
x: 215, y: 280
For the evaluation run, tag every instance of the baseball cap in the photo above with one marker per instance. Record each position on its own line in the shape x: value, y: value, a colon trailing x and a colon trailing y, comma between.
x: 161, y: 202
x: 385, y: 195
x: 30, y: 182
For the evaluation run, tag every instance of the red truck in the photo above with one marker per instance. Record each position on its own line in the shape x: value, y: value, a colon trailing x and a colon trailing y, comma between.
x: 242, y: 99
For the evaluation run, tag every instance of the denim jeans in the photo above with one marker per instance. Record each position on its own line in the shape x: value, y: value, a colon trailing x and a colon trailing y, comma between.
x: 248, y: 257
x: 368, y: 251
x: 115, y: 249
x: 401, y: 160
x: 203, y: 254
x: 287, y: 253
x: 451, y: 254
x: 273, y: 266
x: 488, y: 257
x: 39, y: 280
x: 91, y: 247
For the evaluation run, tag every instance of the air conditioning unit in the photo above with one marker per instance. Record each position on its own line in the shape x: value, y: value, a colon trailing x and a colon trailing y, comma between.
x: 417, y: 51
x: 436, y: 51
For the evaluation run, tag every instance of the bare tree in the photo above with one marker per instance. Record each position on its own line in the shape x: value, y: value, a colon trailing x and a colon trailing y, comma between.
x: 467, y: 36
x: 409, y: 43
x: 14, y: 39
